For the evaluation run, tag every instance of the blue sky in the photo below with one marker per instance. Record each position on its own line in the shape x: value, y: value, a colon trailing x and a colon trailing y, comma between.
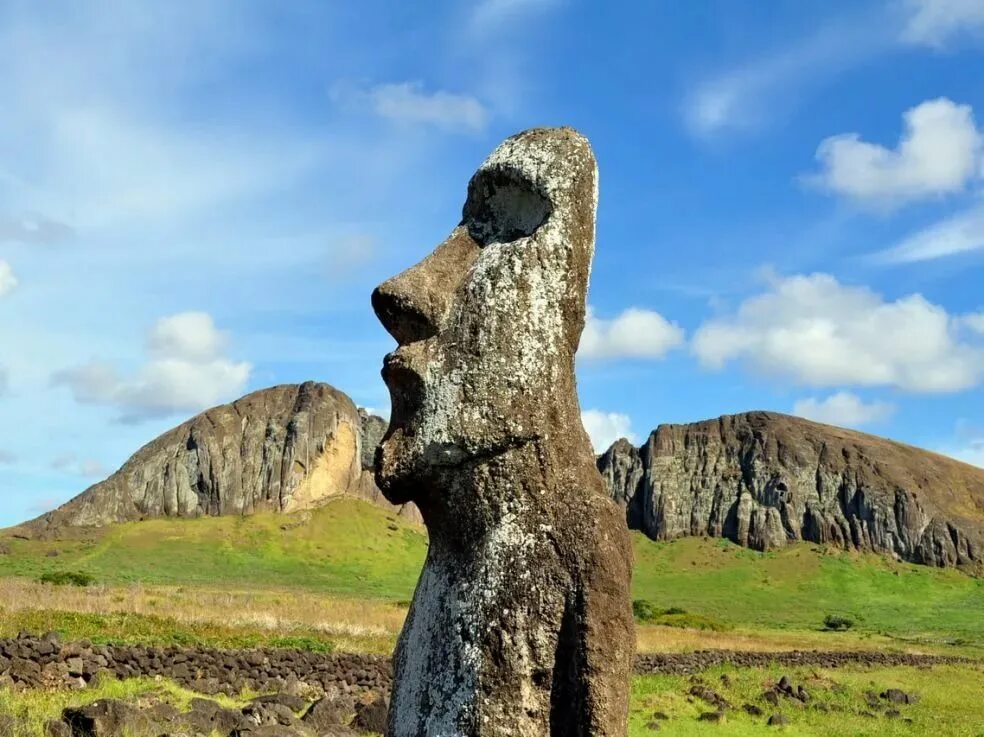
x: 196, y: 200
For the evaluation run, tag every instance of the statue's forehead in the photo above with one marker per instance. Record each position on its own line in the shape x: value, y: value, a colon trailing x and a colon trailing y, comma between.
x: 551, y: 162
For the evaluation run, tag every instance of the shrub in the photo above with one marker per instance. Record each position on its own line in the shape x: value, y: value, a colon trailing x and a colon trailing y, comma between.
x: 301, y: 642
x: 67, y: 578
x: 645, y: 611
x: 837, y: 623
x: 692, y: 622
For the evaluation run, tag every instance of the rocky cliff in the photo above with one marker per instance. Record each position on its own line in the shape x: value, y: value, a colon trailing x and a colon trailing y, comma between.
x: 282, y: 449
x: 762, y: 479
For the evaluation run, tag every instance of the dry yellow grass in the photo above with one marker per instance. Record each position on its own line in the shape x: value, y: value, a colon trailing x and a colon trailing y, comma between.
x: 352, y: 624
x: 660, y: 639
x: 361, y: 625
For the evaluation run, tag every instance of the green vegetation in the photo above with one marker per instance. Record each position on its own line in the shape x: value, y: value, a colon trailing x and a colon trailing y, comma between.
x: 646, y: 612
x: 67, y: 578
x: 346, y: 547
x: 837, y: 623
x: 796, y: 587
x: 350, y: 547
x: 32, y: 709
x: 133, y: 629
x: 949, y: 703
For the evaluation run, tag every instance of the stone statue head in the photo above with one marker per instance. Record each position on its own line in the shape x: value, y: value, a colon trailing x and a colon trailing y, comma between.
x: 489, y: 322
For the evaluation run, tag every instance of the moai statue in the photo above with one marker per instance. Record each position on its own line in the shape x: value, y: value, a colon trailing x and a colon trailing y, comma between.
x: 521, y: 624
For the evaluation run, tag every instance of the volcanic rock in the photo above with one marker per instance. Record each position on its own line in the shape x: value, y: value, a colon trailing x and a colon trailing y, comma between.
x: 763, y: 479
x: 282, y: 449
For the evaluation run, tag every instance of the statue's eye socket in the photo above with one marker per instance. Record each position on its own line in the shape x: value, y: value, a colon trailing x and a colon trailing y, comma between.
x: 503, y: 206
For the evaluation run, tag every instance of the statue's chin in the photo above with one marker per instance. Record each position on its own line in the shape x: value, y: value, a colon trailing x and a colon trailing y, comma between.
x: 396, y: 474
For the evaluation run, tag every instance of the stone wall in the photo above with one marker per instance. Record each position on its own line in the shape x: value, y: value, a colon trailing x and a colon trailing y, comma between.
x: 32, y: 661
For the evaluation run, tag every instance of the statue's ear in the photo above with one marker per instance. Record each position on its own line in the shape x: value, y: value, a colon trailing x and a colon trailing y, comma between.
x: 503, y: 205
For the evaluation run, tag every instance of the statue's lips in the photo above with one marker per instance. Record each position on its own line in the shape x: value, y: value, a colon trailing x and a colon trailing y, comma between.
x: 397, y: 369
x: 405, y: 383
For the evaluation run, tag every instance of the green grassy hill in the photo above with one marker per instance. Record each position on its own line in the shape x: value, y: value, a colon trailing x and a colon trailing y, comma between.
x: 352, y: 548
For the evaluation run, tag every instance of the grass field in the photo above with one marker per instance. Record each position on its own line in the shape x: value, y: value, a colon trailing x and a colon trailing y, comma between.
x: 339, y: 578
x: 299, y: 573
x: 949, y: 703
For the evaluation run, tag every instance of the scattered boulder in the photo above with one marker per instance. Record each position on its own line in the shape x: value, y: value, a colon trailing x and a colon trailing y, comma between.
x: 325, y: 713
x: 105, y: 718
x: 371, y: 716
x: 711, y: 716
x: 898, y: 696
x: 777, y: 720
x: 752, y: 710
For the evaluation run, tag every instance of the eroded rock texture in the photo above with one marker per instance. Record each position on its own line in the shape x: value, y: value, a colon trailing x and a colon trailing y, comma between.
x: 521, y: 623
x: 762, y: 479
x: 282, y: 449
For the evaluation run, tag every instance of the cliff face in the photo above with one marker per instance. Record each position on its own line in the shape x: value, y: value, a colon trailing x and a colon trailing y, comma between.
x: 762, y: 479
x: 282, y: 449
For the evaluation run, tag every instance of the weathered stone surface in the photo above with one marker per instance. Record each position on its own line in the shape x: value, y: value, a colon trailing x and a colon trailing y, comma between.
x: 521, y: 623
x: 762, y: 479
x: 281, y: 449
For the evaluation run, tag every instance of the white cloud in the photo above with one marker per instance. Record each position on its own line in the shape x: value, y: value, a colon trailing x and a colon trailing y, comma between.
x: 409, y: 102
x: 936, y: 22
x: 8, y: 281
x: 961, y: 233
x: 818, y: 332
x: 938, y: 153
x: 604, y: 428
x: 844, y: 409
x: 189, y: 336
x: 186, y: 372
x: 636, y: 333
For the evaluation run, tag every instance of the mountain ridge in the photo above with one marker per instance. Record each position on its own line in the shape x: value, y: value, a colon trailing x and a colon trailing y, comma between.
x: 284, y: 448
x: 764, y: 478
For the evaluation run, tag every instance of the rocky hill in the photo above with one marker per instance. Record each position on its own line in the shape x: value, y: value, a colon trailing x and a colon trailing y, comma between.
x: 282, y: 449
x: 762, y: 479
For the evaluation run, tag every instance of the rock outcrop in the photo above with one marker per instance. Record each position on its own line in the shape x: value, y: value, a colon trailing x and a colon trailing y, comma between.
x: 281, y: 449
x: 521, y: 623
x: 762, y: 479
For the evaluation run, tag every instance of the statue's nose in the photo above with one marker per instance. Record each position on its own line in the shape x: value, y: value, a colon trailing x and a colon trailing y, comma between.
x: 413, y: 305
x: 403, y: 313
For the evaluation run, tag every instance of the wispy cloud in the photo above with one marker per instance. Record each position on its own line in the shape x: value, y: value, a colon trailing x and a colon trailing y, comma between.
x: 8, y: 280
x: 187, y: 371
x: 411, y: 103
x: 34, y: 229
x: 87, y: 468
x: 937, y: 23
x: 844, y: 409
x: 489, y: 16
x: 749, y: 95
x: 957, y: 234
x: 755, y: 93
